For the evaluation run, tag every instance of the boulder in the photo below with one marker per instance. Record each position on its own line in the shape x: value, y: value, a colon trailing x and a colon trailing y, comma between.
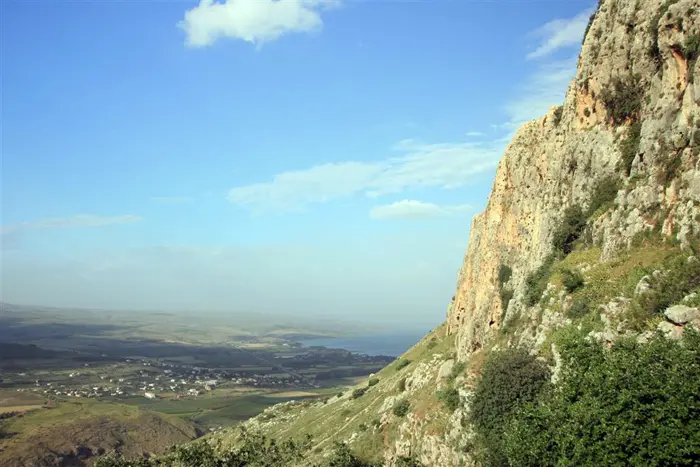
x: 446, y: 369
x: 681, y: 314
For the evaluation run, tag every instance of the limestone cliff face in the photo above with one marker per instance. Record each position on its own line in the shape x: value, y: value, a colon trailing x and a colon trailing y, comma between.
x: 554, y: 162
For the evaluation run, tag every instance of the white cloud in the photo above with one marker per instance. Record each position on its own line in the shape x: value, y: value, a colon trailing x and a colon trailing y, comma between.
x: 442, y: 165
x: 474, y: 134
x: 560, y: 33
x: 80, y: 220
x: 255, y: 21
x: 415, y: 210
x: 543, y: 89
x: 171, y: 199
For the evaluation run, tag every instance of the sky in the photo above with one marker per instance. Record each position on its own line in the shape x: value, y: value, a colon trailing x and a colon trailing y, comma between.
x: 298, y: 157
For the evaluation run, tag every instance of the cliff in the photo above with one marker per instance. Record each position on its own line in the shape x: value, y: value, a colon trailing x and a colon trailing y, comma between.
x: 648, y: 50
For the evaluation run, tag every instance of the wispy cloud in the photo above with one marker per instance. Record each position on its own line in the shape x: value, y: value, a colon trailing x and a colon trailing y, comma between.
x: 474, y: 134
x: 560, y: 33
x: 543, y: 89
x: 171, y: 199
x: 81, y: 220
x: 415, y: 210
x: 254, y: 21
x: 420, y: 165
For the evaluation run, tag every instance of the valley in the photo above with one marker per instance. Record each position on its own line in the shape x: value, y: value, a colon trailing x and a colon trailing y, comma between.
x: 91, y: 381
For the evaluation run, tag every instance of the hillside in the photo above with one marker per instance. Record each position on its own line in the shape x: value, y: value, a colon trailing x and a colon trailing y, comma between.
x: 570, y: 339
x: 73, y: 433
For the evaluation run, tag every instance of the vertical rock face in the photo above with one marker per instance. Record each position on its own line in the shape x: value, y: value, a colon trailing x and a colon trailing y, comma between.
x: 638, y: 65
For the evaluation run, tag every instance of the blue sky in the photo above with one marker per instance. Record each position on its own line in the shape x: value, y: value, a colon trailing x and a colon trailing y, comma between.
x: 302, y: 157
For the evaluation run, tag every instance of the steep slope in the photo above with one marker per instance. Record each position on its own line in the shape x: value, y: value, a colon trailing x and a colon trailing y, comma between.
x: 591, y: 226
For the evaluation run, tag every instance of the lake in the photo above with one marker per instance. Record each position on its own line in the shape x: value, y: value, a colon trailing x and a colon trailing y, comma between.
x: 391, y: 345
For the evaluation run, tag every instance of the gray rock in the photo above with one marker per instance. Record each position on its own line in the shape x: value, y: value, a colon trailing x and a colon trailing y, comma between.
x: 670, y: 330
x: 681, y: 314
x: 446, y: 369
x: 643, y: 286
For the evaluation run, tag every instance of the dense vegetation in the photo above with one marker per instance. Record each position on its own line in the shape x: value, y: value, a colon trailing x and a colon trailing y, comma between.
x: 254, y: 450
x: 631, y: 404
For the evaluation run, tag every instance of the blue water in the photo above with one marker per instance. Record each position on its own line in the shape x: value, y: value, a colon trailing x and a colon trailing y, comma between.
x: 391, y: 345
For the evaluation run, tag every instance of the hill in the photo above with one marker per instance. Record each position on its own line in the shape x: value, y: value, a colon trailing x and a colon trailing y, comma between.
x: 73, y: 433
x: 572, y: 338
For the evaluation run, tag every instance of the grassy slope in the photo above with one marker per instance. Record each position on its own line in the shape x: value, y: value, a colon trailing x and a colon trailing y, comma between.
x: 342, y: 418
x: 63, y: 433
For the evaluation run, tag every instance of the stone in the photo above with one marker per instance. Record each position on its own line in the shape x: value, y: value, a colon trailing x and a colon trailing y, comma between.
x: 681, y: 314
x: 446, y: 369
x: 643, y: 286
x: 670, y: 330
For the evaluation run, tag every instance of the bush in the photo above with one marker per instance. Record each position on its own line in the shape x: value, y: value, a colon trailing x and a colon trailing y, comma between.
x: 504, y: 274
x: 403, y: 363
x: 255, y: 451
x: 450, y: 398
x: 401, y: 408
x: 432, y: 343
x: 603, y: 195
x: 569, y: 230
x: 572, y: 280
x: 372, y: 382
x: 506, y: 295
x: 557, y: 115
x: 630, y: 405
x: 401, y: 385
x: 623, y: 99
x: 536, y: 281
x: 668, y: 169
x: 359, y: 392
x: 343, y: 457
x: 578, y: 309
x: 407, y: 461
x: 680, y: 279
x: 510, y: 379
x: 457, y: 370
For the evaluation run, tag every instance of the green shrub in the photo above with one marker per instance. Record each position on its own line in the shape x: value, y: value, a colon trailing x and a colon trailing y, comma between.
x: 450, y: 398
x: 401, y: 385
x: 254, y: 450
x: 504, y: 274
x: 668, y: 169
x: 557, y: 115
x: 623, y: 99
x: 343, y: 457
x: 569, y: 230
x: 536, y: 282
x: 359, y: 392
x: 630, y: 405
x: 578, y: 309
x: 362, y: 427
x: 506, y: 295
x: 432, y: 343
x: 572, y: 280
x: 372, y: 382
x: 457, y: 369
x: 629, y: 147
x: 680, y: 278
x: 376, y: 422
x: 403, y: 363
x: 510, y: 379
x: 401, y: 408
x: 407, y: 461
x: 603, y: 195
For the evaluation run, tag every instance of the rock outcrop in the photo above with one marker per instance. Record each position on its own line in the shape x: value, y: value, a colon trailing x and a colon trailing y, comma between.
x: 646, y: 52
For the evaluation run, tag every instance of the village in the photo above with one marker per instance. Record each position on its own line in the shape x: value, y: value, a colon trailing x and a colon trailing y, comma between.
x: 154, y: 379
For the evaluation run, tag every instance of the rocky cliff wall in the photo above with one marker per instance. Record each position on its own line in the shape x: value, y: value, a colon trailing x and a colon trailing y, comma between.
x: 632, y: 113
